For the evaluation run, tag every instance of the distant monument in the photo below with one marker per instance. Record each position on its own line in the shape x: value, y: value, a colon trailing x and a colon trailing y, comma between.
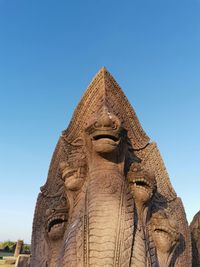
x: 195, y: 232
x: 108, y: 200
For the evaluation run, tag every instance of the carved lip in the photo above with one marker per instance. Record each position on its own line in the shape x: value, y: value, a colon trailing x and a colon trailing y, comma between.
x: 106, y: 137
x: 165, y: 231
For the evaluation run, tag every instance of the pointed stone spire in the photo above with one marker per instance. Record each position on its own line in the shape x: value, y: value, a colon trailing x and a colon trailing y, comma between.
x: 104, y: 90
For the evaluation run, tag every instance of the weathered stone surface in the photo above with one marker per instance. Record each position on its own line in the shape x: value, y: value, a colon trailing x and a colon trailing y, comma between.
x: 108, y: 200
x: 18, y: 248
x: 23, y: 261
x: 195, y: 233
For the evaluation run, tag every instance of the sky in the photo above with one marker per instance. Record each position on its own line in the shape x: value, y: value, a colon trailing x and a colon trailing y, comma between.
x: 49, y: 52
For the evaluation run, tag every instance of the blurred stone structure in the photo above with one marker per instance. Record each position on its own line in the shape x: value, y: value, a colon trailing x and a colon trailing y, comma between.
x: 18, y: 248
x: 195, y: 233
x: 23, y: 261
x: 108, y: 200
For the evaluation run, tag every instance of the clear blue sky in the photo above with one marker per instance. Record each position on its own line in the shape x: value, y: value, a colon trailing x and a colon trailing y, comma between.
x: 49, y: 52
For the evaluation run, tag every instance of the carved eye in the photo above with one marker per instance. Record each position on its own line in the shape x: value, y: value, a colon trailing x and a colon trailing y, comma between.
x: 97, y: 125
x: 114, y: 125
x: 63, y: 201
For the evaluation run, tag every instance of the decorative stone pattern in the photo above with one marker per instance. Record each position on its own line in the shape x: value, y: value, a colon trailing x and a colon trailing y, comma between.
x: 108, y: 200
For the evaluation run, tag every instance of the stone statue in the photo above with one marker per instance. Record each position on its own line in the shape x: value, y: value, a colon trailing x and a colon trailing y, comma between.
x: 143, y: 187
x: 108, y: 200
x: 164, y: 231
x: 195, y: 233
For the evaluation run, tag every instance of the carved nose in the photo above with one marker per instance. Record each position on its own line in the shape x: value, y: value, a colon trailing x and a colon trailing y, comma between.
x: 50, y: 211
x: 105, y: 121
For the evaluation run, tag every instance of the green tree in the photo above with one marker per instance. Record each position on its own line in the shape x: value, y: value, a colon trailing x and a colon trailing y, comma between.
x: 8, y: 244
x: 26, y: 248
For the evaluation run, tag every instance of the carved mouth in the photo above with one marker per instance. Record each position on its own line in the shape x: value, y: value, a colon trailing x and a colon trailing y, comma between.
x: 141, y: 183
x: 165, y: 232
x: 56, y: 222
x: 161, y: 230
x: 105, y: 136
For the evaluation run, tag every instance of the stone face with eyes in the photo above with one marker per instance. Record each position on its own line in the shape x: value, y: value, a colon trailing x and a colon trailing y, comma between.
x: 165, y: 235
x: 73, y: 177
x: 56, y: 219
x: 105, y: 132
x: 142, y: 184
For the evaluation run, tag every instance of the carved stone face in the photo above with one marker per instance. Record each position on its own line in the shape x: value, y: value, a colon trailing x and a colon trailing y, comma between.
x: 73, y: 178
x: 105, y: 132
x: 165, y: 233
x: 56, y: 218
x: 142, y: 184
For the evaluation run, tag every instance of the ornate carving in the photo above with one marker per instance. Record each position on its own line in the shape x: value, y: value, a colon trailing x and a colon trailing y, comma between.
x: 106, y: 192
x: 164, y: 231
x: 143, y: 187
